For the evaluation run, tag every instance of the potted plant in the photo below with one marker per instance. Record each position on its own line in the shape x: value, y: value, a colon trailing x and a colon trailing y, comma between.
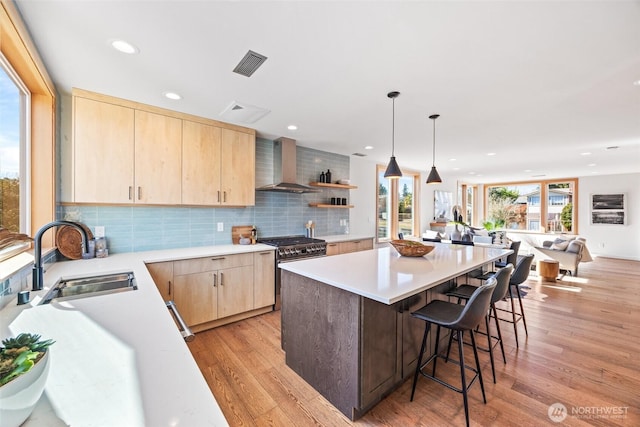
x: 24, y: 365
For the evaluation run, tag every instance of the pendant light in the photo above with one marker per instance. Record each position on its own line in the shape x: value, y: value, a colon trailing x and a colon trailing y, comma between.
x: 434, y: 177
x: 393, y: 170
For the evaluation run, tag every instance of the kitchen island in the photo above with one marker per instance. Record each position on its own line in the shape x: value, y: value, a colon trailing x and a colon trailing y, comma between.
x: 346, y: 323
x: 119, y: 359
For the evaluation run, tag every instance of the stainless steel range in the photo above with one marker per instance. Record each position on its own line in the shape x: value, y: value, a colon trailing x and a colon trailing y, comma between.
x: 293, y: 248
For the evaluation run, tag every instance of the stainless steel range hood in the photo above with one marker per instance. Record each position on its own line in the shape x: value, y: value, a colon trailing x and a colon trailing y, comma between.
x: 284, y: 169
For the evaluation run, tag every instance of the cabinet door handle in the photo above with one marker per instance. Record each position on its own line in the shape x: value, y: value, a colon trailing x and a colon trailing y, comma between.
x: 218, y: 196
x: 139, y: 193
x: 218, y: 259
x: 221, y: 279
x: 130, y: 193
x: 332, y: 244
x: 169, y: 287
x: 224, y: 198
x: 266, y: 253
x: 215, y: 280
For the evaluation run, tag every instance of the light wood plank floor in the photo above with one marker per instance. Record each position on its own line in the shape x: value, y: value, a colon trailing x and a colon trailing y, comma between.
x: 583, y: 350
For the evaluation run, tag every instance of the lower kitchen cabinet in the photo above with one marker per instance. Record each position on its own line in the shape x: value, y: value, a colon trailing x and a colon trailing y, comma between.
x: 264, y: 277
x: 347, y: 246
x: 212, y: 291
x: 196, y: 296
x: 162, y: 275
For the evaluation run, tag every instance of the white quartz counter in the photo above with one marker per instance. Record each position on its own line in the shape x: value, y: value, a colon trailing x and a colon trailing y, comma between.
x: 119, y: 359
x: 385, y: 276
x: 344, y: 237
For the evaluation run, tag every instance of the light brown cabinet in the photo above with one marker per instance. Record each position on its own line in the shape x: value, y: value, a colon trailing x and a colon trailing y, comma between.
x: 162, y: 275
x: 158, y: 141
x: 102, y: 156
x: 128, y: 153
x: 218, y: 166
x: 212, y: 291
x: 337, y: 248
x: 264, y: 276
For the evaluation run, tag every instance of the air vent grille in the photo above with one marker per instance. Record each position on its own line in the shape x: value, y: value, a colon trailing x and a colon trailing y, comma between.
x: 249, y: 64
x: 359, y: 154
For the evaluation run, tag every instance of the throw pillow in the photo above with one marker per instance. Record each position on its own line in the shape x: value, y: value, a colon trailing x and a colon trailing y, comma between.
x: 560, y: 245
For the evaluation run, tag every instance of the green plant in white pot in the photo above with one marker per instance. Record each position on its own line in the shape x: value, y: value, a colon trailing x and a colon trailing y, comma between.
x: 24, y: 365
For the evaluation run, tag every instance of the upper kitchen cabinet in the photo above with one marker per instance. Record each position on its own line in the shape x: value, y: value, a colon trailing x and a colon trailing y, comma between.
x: 102, y: 156
x: 238, y: 175
x: 123, y: 152
x: 218, y: 166
x: 158, y: 149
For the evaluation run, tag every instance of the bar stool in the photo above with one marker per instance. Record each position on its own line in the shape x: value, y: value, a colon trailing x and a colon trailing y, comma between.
x: 519, y: 276
x: 457, y: 318
x: 464, y: 292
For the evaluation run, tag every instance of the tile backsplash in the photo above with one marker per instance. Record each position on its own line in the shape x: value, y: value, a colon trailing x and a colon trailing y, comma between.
x: 141, y: 228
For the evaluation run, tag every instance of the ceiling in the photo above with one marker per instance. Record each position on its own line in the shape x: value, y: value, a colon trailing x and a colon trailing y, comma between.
x: 536, y: 83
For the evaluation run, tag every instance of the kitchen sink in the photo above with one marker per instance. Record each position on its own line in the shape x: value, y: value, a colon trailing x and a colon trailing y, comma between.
x: 87, y: 286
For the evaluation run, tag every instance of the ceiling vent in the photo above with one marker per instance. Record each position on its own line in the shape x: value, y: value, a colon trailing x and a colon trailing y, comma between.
x: 249, y: 64
x: 359, y: 154
x: 238, y: 112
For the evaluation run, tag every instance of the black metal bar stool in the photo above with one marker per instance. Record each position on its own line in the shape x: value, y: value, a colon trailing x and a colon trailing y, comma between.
x: 519, y: 276
x: 458, y: 318
x: 464, y: 292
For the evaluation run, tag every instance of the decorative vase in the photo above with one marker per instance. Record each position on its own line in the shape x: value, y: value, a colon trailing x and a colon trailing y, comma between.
x: 19, y: 397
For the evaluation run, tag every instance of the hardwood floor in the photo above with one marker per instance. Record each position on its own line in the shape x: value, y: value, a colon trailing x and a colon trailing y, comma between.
x: 583, y: 351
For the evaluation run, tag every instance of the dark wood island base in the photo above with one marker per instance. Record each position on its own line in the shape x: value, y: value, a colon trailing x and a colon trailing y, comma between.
x: 351, y: 349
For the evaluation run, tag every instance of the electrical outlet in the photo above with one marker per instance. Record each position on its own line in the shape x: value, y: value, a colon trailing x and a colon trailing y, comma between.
x: 220, y: 226
x: 99, y: 231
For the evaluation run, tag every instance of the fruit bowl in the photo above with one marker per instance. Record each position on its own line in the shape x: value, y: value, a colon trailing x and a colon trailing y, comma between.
x: 411, y: 248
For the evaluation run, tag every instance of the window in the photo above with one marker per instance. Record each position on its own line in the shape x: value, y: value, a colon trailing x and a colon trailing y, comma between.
x: 14, y: 183
x: 533, y: 206
x: 397, y: 210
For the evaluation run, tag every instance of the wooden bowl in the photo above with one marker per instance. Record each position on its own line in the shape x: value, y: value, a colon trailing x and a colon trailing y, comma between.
x: 411, y: 248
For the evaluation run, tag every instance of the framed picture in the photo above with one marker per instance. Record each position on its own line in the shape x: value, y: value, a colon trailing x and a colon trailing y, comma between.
x: 442, y: 203
x: 608, y: 209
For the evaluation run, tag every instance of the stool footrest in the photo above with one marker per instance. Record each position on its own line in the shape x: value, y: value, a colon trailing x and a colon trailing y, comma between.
x: 444, y: 383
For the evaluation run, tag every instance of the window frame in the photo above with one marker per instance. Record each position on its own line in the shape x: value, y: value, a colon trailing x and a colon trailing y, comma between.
x: 24, y: 144
x: 20, y: 52
x: 544, y: 202
x: 394, y: 201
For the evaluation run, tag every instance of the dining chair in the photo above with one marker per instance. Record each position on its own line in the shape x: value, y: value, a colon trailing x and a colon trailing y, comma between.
x: 464, y: 292
x: 458, y: 319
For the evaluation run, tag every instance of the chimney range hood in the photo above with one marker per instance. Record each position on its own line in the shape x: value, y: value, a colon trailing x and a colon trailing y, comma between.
x: 284, y: 169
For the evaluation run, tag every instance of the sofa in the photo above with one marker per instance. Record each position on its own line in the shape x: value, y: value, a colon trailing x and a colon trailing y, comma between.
x: 568, y: 251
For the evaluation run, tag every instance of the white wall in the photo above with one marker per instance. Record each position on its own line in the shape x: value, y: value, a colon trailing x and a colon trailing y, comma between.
x: 602, y: 240
x: 616, y: 241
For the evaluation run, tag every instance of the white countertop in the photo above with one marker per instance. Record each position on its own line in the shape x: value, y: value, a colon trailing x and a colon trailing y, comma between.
x: 119, y: 359
x: 344, y: 237
x: 385, y: 276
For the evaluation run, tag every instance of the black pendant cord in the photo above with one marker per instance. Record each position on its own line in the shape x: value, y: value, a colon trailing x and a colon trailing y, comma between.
x: 434, y: 117
x: 393, y: 127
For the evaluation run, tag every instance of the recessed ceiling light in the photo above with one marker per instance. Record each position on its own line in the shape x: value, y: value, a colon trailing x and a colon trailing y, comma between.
x: 491, y: 154
x: 591, y: 164
x: 292, y: 127
x: 368, y: 147
x: 472, y: 173
x: 636, y: 83
x: 123, y: 46
x: 527, y: 170
x: 452, y: 160
x: 586, y: 153
x: 456, y: 169
x: 172, y: 95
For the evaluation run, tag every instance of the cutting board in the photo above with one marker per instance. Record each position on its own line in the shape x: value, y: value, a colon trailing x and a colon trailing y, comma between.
x: 237, y: 230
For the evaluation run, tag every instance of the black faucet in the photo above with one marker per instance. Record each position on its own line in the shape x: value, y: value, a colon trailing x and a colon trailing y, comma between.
x: 38, y: 272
